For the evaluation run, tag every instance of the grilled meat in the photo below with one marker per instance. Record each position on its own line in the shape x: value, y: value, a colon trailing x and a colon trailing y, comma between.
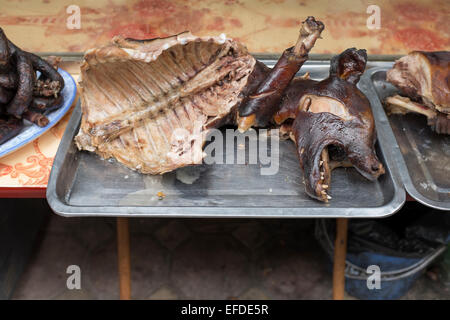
x: 424, y: 78
x: 22, y: 96
x: 331, y: 123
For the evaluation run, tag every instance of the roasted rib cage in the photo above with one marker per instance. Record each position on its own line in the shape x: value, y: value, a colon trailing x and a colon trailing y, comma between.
x: 150, y: 103
x: 423, y: 77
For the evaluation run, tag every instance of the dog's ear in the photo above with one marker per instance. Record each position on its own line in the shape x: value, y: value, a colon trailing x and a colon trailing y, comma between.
x: 349, y: 65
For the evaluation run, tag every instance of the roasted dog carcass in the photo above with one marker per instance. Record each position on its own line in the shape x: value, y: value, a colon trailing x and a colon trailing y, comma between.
x: 423, y: 79
x: 22, y: 95
x: 150, y: 103
x: 331, y: 123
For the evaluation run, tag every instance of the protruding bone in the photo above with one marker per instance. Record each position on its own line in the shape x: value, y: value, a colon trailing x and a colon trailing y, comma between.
x: 309, y: 33
x: 402, y: 105
x: 265, y: 100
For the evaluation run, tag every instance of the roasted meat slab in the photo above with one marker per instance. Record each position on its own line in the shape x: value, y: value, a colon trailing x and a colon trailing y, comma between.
x: 150, y: 103
x: 423, y: 79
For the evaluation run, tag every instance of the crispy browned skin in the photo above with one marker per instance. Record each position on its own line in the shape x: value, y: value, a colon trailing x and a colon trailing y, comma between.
x: 9, y: 128
x: 5, y: 95
x: 36, y: 118
x: 5, y: 54
x: 8, y: 80
x: 24, y: 93
x: 332, y: 123
x: 261, y: 104
x: 46, y: 104
x: 48, y: 70
x: 22, y: 96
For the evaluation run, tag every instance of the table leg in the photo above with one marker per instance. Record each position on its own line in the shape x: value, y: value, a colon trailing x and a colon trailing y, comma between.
x: 340, y: 252
x: 123, y: 254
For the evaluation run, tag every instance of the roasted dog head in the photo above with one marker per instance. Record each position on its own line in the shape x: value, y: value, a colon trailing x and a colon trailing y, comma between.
x: 332, y: 124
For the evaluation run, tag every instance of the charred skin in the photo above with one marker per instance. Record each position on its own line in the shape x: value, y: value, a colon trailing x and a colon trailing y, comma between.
x: 20, y: 92
x: 9, y: 128
x: 8, y: 80
x: 24, y: 93
x: 46, y: 104
x: 48, y: 71
x: 5, y: 54
x: 36, y: 118
x: 259, y: 106
x: 266, y: 100
x: 5, y: 95
x: 314, y: 133
x: 332, y: 124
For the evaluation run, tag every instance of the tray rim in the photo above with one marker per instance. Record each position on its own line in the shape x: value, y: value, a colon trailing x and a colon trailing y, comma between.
x: 376, y: 103
x: 396, y: 202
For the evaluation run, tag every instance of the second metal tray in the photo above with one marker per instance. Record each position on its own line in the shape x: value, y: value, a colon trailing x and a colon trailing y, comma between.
x: 422, y: 156
x: 82, y: 184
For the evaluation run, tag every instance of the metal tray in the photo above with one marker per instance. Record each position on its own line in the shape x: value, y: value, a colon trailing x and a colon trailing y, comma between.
x: 422, y: 156
x: 82, y: 184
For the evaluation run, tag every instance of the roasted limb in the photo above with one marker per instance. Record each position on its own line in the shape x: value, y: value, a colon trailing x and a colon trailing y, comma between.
x: 438, y: 121
x: 24, y: 93
x: 47, y: 70
x: 5, y: 54
x: 260, y: 106
x: 423, y: 77
x: 36, y: 118
x: 5, y: 95
x: 9, y: 128
x: 331, y: 123
x: 22, y: 96
x: 9, y: 80
x: 46, y: 104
